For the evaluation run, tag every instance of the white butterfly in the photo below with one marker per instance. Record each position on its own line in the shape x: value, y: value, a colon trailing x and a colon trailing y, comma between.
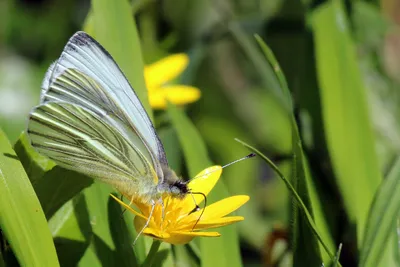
x: 91, y: 121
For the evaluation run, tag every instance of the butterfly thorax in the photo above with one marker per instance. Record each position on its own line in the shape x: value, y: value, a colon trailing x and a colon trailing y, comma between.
x: 147, y: 191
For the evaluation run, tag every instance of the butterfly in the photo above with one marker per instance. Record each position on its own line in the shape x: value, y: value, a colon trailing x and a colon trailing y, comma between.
x: 90, y: 120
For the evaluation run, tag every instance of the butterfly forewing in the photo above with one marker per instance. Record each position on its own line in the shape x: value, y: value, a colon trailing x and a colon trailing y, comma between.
x: 107, y: 91
x: 76, y: 88
x: 78, y: 139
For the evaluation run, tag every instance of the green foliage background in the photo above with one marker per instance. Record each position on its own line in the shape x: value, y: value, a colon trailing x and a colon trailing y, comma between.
x: 311, y: 86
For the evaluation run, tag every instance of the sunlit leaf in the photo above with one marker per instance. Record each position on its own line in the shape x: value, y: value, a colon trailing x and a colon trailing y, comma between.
x: 382, y: 219
x: 22, y: 219
x: 347, y: 123
x: 306, y: 249
x: 53, y: 185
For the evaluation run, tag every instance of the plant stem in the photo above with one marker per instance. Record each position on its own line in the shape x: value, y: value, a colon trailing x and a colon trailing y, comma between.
x: 152, y: 253
x: 296, y: 196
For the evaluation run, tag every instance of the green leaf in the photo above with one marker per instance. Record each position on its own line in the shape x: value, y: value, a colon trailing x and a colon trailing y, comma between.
x: 115, y: 29
x: 194, y: 150
x: 306, y: 248
x: 22, y: 219
x: 53, y: 185
x: 283, y: 86
x: 261, y: 66
x: 171, y: 146
x: 71, y: 230
x: 347, y: 123
x: 122, y: 234
x: 100, y: 251
x: 382, y: 219
x: 112, y: 232
x: 183, y: 256
x: 214, y: 251
x: 103, y: 250
x: 337, y: 256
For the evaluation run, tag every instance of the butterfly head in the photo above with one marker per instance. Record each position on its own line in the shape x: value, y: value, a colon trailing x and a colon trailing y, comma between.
x: 173, y: 185
x: 179, y: 189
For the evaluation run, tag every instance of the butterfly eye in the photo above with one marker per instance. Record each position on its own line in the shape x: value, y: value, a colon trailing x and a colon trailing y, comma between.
x: 175, y: 190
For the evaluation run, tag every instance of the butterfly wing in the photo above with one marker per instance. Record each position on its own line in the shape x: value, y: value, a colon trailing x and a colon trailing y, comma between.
x: 101, y: 87
x: 78, y: 139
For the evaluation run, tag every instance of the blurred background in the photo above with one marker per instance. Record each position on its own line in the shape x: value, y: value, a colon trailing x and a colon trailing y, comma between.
x: 240, y: 96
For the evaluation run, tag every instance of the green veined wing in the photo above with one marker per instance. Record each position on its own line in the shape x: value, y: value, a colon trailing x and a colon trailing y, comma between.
x: 79, y: 139
x: 113, y: 95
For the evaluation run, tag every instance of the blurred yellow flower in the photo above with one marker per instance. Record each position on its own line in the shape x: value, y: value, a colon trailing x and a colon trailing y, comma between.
x: 157, y: 76
x: 178, y: 226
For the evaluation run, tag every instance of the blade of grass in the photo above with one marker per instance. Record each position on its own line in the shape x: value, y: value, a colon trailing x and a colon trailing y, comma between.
x: 296, y: 196
x: 122, y: 234
x: 53, y: 185
x: 337, y: 257
x: 214, y: 252
x: 182, y: 256
x: 22, y: 219
x: 382, y: 219
x: 303, y: 183
x: 277, y: 70
x: 347, y: 123
x: 100, y: 251
x: 115, y: 29
x: 266, y: 73
x: 71, y: 230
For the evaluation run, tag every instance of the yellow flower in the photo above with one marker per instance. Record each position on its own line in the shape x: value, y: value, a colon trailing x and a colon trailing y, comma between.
x: 158, y: 74
x: 177, y: 225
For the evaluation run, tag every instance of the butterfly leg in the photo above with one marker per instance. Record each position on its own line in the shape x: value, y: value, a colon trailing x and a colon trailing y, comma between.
x: 153, y: 205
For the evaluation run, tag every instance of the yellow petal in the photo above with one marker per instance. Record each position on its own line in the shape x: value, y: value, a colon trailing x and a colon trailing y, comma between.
x: 217, y: 209
x: 126, y: 206
x: 223, y: 207
x: 151, y: 230
x: 139, y: 223
x: 205, y: 180
x: 165, y: 69
x: 202, y: 182
x: 144, y: 208
x: 176, y: 94
x: 219, y: 222
x: 180, y: 238
x: 156, y: 234
x: 213, y: 223
x: 191, y: 233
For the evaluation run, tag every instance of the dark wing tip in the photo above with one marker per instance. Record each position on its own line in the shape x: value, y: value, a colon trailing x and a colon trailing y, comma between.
x: 81, y: 38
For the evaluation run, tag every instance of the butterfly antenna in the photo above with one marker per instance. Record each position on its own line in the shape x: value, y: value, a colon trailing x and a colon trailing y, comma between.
x: 238, y: 160
x: 196, y: 208
x: 229, y: 164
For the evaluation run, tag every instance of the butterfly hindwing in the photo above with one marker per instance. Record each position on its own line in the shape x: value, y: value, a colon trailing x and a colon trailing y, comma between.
x: 78, y: 139
x: 83, y: 61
